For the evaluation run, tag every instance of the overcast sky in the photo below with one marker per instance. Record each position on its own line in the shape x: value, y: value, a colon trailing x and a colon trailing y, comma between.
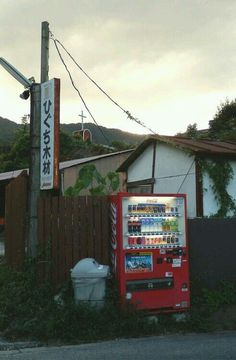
x: 169, y: 62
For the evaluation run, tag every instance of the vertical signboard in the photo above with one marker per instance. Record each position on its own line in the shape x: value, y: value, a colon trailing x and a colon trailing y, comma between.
x: 49, y: 150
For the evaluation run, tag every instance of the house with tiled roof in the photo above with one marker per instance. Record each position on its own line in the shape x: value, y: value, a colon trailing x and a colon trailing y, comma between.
x: 172, y: 164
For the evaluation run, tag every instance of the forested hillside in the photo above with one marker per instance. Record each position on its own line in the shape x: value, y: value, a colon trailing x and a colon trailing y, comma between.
x: 8, y: 130
x: 101, y: 135
x: 15, y: 143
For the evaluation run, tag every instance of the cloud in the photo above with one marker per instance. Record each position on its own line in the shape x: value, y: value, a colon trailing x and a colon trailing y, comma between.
x: 155, y: 57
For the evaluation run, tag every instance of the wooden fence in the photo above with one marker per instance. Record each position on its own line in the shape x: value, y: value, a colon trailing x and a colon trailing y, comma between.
x: 70, y: 229
x: 15, y: 220
x: 212, y: 249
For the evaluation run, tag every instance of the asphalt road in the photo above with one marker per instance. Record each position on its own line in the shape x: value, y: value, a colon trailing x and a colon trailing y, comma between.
x: 220, y: 346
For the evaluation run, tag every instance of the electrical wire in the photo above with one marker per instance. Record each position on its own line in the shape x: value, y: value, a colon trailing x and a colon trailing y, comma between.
x: 79, y: 93
x: 129, y: 116
x: 186, y: 175
x: 174, y: 176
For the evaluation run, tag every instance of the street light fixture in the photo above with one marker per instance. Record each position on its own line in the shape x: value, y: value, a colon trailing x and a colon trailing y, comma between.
x: 27, y: 83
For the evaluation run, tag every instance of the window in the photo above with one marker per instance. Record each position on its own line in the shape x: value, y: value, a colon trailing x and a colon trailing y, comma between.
x: 142, y: 186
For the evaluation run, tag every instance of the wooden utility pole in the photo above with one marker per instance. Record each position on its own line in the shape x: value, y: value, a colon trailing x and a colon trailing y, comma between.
x: 35, y: 119
x: 44, y: 51
x: 34, y: 170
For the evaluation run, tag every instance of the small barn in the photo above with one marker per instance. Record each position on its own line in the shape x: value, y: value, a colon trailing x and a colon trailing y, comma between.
x: 171, y: 164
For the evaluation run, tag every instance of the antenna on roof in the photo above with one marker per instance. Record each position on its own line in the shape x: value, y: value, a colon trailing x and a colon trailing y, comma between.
x: 85, y: 134
x: 82, y: 119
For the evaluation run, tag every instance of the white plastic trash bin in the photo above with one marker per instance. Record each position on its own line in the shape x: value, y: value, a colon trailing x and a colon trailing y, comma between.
x: 89, y: 281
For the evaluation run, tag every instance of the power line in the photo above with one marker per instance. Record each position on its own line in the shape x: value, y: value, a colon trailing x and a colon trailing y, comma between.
x: 175, y: 176
x: 56, y: 41
x: 77, y: 90
x: 186, y: 175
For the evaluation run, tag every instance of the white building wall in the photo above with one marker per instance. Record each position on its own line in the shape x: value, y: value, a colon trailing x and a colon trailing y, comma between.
x: 171, y: 168
x: 141, y: 168
x: 175, y: 173
x: 210, y: 205
x: 232, y: 186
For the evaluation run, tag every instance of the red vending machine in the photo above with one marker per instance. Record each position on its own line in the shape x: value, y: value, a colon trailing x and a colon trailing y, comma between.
x: 150, y: 250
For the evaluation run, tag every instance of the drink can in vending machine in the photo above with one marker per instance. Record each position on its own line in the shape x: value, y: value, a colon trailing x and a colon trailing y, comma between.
x: 139, y: 240
x: 132, y: 241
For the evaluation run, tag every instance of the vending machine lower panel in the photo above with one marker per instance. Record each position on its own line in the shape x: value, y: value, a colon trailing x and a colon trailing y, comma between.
x: 157, y: 295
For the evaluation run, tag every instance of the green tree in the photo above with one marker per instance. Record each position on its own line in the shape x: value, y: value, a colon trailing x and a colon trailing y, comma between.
x: 192, y: 131
x: 121, y: 145
x: 18, y: 156
x: 223, y: 125
x: 68, y: 145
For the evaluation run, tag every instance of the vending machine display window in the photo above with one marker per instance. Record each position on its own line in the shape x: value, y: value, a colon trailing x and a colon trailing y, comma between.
x: 153, y: 224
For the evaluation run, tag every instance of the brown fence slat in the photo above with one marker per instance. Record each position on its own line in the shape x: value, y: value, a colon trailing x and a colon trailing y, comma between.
x: 62, y: 262
x: 15, y: 229
x: 41, y: 239
x: 55, y: 243
x: 83, y: 228
x: 68, y: 235
x: 76, y: 232
x: 97, y: 229
x: 91, y: 237
x: 105, y: 231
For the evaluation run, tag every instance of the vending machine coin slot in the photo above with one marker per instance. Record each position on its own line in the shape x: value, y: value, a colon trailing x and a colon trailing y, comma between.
x: 150, y: 284
x: 178, y: 251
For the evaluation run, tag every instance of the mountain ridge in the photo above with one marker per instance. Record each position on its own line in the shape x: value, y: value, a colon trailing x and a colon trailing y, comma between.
x: 100, y: 134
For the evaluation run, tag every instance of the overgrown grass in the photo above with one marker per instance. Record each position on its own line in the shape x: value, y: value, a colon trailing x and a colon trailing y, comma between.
x: 28, y: 310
